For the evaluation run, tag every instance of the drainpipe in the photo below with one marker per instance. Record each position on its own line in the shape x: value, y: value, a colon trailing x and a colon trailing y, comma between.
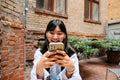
x: 25, y: 33
x: 25, y: 13
x: 0, y: 6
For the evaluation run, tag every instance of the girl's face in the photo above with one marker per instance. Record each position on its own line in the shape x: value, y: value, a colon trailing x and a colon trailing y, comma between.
x: 55, y: 36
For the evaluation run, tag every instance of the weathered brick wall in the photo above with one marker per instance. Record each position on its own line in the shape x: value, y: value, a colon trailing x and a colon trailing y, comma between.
x: 12, y: 49
x: 113, y: 9
x: 74, y: 22
x: 31, y: 37
x: 11, y: 8
x: 11, y: 40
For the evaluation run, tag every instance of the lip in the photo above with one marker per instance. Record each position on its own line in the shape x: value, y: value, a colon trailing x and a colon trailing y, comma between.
x: 55, y: 41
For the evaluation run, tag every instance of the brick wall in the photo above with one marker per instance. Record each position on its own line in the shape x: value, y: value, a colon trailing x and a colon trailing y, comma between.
x: 31, y: 37
x: 37, y: 20
x: 11, y: 40
x: 11, y: 8
x: 11, y: 49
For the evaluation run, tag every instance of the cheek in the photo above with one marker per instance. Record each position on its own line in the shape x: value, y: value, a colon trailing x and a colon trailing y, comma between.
x: 48, y: 37
x: 62, y: 38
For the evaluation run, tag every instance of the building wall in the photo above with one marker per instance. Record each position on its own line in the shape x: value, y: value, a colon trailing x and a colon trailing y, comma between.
x: 11, y: 40
x: 76, y: 19
x: 113, y: 9
x: 74, y: 22
x: 113, y: 29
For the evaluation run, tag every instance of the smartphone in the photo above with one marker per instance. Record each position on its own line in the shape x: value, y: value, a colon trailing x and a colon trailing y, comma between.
x: 53, y: 46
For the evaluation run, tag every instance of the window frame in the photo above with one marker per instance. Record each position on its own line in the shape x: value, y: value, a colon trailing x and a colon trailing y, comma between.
x: 90, y: 20
x: 51, y: 11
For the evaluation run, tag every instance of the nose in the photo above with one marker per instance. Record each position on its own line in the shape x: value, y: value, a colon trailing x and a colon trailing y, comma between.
x: 55, y: 36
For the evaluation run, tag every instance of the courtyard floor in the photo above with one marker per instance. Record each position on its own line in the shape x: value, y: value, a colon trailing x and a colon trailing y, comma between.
x: 90, y: 69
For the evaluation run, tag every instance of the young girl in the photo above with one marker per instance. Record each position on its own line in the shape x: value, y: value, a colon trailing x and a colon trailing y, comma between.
x: 51, y: 66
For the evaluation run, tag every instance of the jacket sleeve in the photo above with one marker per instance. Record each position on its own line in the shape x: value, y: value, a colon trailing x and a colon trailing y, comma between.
x: 33, y: 75
x: 76, y: 75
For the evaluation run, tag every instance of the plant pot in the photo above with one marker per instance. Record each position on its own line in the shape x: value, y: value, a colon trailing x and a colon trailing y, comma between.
x: 41, y: 43
x: 102, y: 52
x: 113, y: 56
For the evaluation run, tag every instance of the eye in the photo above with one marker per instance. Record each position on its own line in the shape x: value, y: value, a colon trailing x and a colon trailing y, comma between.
x: 60, y: 33
x: 51, y: 32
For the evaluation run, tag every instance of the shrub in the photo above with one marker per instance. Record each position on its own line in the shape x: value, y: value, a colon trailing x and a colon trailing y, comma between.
x: 86, y: 46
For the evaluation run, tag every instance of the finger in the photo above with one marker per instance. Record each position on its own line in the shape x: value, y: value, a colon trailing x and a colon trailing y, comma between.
x: 53, y: 59
x: 58, y: 56
x: 49, y: 64
x: 48, y: 53
x: 52, y: 53
x: 61, y: 52
x: 61, y: 62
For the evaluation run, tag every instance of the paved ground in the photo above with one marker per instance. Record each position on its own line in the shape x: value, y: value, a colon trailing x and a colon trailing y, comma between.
x: 90, y: 69
x: 95, y: 69
x: 27, y: 73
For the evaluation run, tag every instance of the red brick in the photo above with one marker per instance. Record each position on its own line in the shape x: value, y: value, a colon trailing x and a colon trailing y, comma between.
x: 4, y: 58
x: 4, y: 42
x: 21, y: 55
x: 21, y: 71
x: 14, y: 65
x: 5, y: 72
x: 21, y: 42
x: 14, y: 75
x: 5, y: 77
x: 21, y: 60
x: 11, y: 56
x: 16, y: 46
x: 3, y: 64
x: 22, y: 50
x: 11, y: 42
x: 22, y: 65
x: 21, y: 78
x: 21, y: 46
x: 16, y: 21
x: 4, y: 53
x: 12, y: 38
x: 4, y: 48
x: 8, y: 19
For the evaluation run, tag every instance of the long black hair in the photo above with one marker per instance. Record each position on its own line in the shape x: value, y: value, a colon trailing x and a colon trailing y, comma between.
x: 51, y: 27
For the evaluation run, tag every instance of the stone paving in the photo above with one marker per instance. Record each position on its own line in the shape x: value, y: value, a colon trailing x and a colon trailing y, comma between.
x: 90, y: 69
x: 27, y: 73
x: 95, y: 69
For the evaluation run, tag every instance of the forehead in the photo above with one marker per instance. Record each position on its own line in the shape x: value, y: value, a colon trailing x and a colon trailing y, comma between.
x: 57, y: 28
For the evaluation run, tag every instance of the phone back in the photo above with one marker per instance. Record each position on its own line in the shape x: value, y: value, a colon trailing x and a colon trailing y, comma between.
x: 53, y: 46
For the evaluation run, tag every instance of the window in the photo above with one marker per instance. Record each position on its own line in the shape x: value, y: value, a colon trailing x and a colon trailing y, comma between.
x: 91, y: 10
x: 57, y: 6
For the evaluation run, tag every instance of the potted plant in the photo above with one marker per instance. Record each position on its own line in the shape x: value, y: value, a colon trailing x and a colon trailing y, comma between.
x: 112, y: 47
x: 41, y: 42
x: 85, y: 46
x: 98, y: 43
